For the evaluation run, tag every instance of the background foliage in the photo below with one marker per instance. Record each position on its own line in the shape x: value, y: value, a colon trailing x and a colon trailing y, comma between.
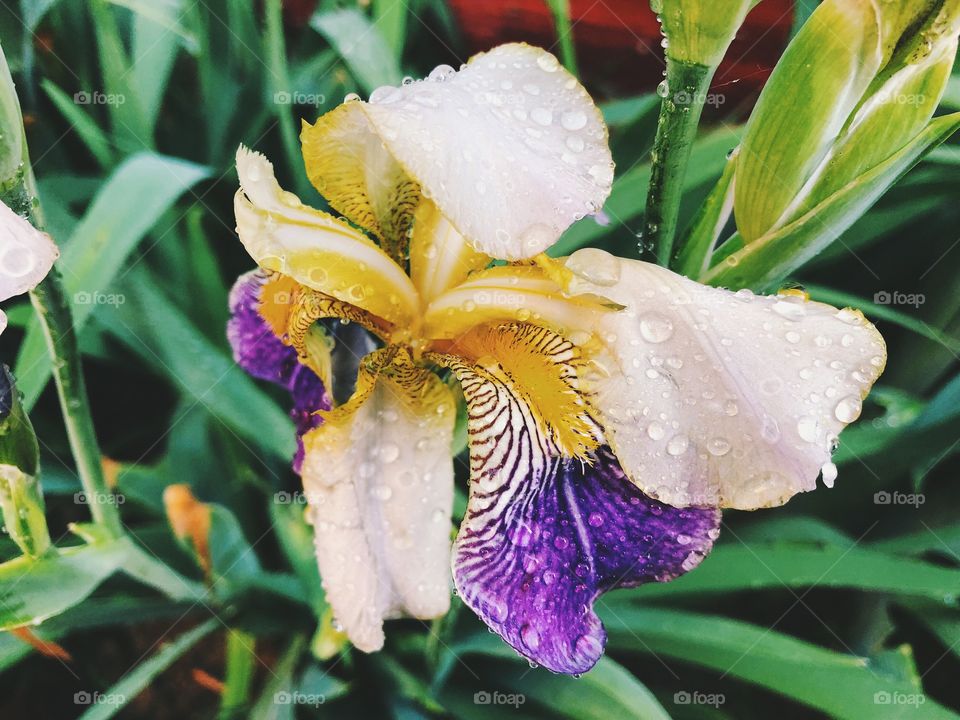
x: 134, y: 109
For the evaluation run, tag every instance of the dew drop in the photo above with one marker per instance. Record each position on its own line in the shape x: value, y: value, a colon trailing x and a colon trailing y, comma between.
x: 678, y: 445
x: 848, y: 409
x: 596, y: 266
x: 829, y: 472
x: 655, y: 328
x: 573, y: 120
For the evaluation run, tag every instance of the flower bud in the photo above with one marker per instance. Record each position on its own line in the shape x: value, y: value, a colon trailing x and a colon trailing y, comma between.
x: 860, y: 81
x: 699, y: 32
x: 21, y: 500
x: 11, y: 127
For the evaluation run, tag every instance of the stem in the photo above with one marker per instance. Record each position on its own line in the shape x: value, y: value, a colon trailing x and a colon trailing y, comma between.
x: 18, y: 189
x: 686, y: 88
x: 52, y: 308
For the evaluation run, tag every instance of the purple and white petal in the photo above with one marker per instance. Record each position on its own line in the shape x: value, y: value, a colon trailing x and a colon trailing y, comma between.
x: 544, y: 536
x: 263, y: 355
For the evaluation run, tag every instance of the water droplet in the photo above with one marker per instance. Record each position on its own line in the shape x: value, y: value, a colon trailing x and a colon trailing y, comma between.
x: 541, y: 116
x: 663, y: 89
x: 655, y: 431
x: 548, y: 62
x: 596, y: 266
x: 655, y: 328
x: 441, y: 73
x: 829, y: 472
x: 389, y: 452
x: 848, y: 409
x: 573, y: 120
x: 808, y: 428
x: 678, y: 445
x: 770, y: 430
x: 595, y: 519
x: 718, y: 446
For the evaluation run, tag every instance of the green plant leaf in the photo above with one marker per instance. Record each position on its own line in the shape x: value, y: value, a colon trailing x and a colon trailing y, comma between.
x: 152, y: 327
x: 627, y: 199
x: 134, y: 682
x: 768, y: 259
x: 362, y: 47
x: 780, y: 565
x: 138, y: 192
x: 843, y: 686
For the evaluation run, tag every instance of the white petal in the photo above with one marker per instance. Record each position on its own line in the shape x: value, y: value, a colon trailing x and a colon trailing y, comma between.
x: 378, y: 475
x: 511, y: 148
x: 314, y: 248
x: 26, y: 254
x: 716, y: 397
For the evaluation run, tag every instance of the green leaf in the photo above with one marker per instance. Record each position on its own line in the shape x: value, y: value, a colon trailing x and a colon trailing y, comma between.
x: 606, y: 691
x: 87, y: 129
x: 782, y: 565
x: 844, y: 686
x: 768, y: 259
x: 390, y: 18
x: 362, y: 47
x: 153, y: 328
x: 134, y: 682
x: 296, y: 541
x: 627, y: 199
x: 138, y: 192
x: 883, y: 312
x: 560, y: 9
x: 33, y: 590
x: 241, y: 665
x: 697, y: 248
x: 278, y: 687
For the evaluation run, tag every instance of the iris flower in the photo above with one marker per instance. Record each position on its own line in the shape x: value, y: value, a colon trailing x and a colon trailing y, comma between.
x: 26, y: 256
x: 612, y: 406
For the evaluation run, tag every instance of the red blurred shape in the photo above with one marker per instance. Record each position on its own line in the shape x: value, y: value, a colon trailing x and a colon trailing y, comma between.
x: 618, y: 41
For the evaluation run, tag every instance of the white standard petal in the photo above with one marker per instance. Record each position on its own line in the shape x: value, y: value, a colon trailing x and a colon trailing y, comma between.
x: 715, y: 397
x: 511, y: 148
x: 26, y: 254
x: 378, y: 476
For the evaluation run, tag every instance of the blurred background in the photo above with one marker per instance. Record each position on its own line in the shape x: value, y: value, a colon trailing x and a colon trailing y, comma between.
x: 843, y: 604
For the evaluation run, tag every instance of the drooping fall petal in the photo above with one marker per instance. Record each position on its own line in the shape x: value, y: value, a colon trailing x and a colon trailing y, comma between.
x: 378, y: 477
x: 719, y: 398
x: 262, y: 354
x: 543, y: 536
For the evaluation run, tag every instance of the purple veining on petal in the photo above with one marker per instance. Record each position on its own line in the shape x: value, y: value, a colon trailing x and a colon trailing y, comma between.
x: 533, y: 568
x: 263, y: 355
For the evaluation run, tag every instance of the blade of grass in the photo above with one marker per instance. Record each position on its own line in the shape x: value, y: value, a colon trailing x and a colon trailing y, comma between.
x: 140, y: 677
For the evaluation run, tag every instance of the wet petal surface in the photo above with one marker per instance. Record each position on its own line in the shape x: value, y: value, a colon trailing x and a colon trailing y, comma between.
x: 713, y: 397
x: 263, y: 355
x: 544, y: 536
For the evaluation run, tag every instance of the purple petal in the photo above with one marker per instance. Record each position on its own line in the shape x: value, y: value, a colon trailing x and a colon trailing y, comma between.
x: 262, y: 354
x: 532, y: 562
